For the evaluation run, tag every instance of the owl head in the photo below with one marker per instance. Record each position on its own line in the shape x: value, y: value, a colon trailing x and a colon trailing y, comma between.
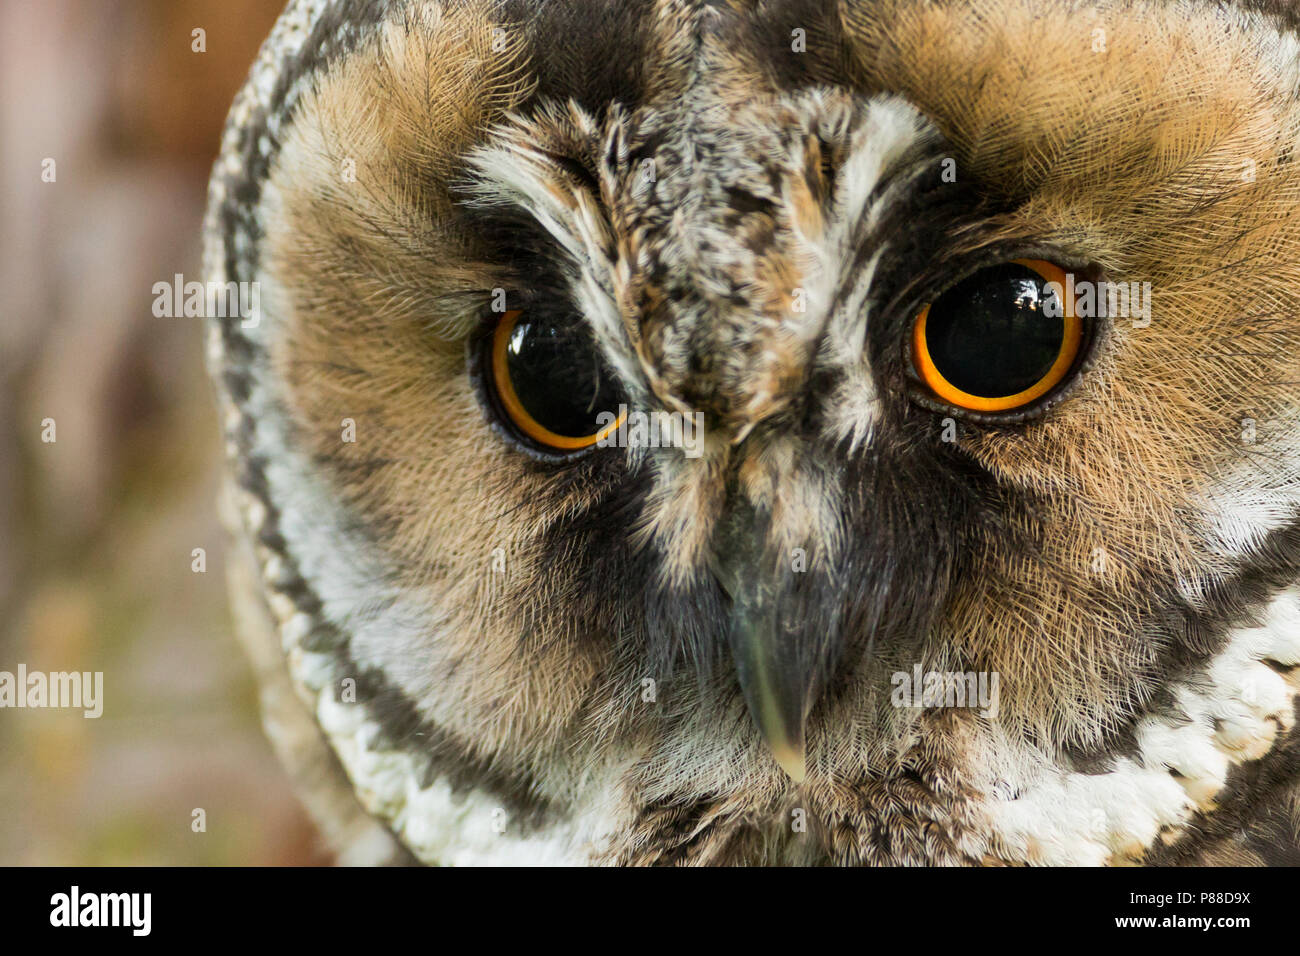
x: 778, y: 431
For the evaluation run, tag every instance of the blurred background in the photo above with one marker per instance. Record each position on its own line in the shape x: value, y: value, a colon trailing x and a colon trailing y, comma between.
x: 97, y: 529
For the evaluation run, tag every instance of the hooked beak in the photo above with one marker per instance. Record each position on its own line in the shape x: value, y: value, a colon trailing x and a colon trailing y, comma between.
x: 778, y: 672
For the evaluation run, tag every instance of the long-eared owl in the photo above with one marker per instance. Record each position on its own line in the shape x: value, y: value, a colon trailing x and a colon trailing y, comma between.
x: 771, y: 431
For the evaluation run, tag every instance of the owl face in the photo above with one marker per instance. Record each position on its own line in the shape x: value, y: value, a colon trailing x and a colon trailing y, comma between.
x: 653, y: 399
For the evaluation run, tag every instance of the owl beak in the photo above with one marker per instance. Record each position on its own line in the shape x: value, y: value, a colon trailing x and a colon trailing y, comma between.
x: 775, y: 692
x: 775, y: 679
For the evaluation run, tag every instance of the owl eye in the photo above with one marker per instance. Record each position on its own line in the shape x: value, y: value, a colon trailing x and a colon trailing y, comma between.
x: 549, y: 383
x: 1000, y: 339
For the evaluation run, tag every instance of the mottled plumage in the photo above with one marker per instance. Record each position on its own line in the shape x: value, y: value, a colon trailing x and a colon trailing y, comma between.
x: 512, y: 655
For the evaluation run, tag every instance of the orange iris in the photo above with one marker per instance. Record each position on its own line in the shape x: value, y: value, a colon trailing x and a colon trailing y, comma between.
x: 506, y: 343
x: 1071, y: 341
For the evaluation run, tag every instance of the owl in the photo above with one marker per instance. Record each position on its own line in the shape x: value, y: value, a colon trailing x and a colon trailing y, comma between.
x: 795, y: 432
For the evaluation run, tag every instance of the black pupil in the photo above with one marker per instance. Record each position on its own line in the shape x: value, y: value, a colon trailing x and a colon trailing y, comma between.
x: 558, y: 377
x: 990, y: 336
